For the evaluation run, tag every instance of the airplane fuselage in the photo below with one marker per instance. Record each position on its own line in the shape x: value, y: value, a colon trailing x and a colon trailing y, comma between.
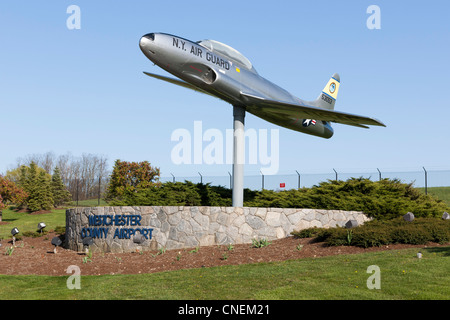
x: 206, y: 67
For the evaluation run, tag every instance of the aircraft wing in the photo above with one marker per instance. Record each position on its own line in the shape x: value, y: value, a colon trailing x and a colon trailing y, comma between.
x: 257, y: 104
x: 178, y: 83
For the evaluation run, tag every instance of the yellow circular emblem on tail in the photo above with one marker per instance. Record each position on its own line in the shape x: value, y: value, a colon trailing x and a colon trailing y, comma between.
x: 332, y: 87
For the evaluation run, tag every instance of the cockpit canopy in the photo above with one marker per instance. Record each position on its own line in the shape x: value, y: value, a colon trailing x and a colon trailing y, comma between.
x: 227, y: 51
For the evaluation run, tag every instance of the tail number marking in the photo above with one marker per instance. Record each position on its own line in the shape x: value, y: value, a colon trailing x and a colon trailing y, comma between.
x: 326, y: 99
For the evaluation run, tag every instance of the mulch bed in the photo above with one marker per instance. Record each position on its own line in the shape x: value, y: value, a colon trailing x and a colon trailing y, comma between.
x: 35, y: 256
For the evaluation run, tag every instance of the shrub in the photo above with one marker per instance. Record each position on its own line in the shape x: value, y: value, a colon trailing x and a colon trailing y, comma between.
x: 34, y: 234
x: 307, y: 233
x: 176, y: 194
x: 371, y: 237
x: 334, y: 236
x: 384, y: 232
x: 384, y: 199
x: 130, y: 177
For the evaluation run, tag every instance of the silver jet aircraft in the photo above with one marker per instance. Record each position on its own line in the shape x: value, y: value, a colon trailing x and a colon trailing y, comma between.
x: 218, y: 70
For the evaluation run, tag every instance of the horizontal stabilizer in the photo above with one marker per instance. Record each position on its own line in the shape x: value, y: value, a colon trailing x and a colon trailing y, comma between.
x: 178, y: 83
x: 261, y: 105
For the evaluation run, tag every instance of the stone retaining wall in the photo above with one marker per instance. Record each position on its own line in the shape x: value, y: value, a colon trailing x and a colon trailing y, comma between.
x: 188, y: 227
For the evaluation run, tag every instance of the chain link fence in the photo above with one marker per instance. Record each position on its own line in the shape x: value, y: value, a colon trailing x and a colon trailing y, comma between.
x: 87, y: 190
x: 420, y: 179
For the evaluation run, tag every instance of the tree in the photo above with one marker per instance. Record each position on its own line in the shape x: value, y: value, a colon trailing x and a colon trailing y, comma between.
x: 131, y: 177
x: 41, y: 197
x: 59, y: 192
x: 37, y: 184
x: 10, y: 193
x: 2, y: 205
x: 82, y: 175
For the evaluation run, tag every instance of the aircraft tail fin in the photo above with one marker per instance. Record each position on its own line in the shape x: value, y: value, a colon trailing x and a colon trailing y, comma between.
x: 327, y: 97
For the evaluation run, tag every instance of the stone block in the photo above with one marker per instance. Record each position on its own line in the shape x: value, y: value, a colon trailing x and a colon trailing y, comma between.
x: 302, y: 224
x: 338, y: 216
x: 162, y: 216
x: 310, y: 215
x: 408, y: 217
x: 295, y: 217
x: 232, y: 233
x: 184, y: 226
x: 213, y: 227
x: 207, y: 240
x: 175, y: 218
x: 173, y: 234
x: 222, y: 238
x: 316, y: 224
x: 128, y: 210
x: 261, y: 212
x: 147, y: 210
x: 238, y: 221
x: 267, y: 232
x: 224, y: 218
x: 323, y: 218
x: 255, y: 222
x: 351, y: 224
x: 280, y: 233
x: 191, y: 241
x: 273, y: 219
x: 165, y: 226
x: 245, y: 229
x: 171, y: 209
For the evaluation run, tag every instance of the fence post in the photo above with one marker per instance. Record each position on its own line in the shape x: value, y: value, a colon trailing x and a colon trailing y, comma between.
x: 77, y: 191
x: 336, y: 174
x: 379, y: 173
x: 99, y: 188
x: 426, y: 182
x: 262, y: 180
x: 298, y: 179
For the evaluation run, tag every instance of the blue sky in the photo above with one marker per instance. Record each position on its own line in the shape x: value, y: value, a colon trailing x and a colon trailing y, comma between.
x: 83, y: 91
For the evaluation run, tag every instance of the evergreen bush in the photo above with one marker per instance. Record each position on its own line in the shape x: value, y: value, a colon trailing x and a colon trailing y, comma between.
x: 384, y: 199
x: 379, y: 233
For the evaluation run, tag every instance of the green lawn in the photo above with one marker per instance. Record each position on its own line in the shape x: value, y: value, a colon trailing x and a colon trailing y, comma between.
x: 89, y: 203
x: 28, y: 222
x: 403, y: 277
x: 442, y: 193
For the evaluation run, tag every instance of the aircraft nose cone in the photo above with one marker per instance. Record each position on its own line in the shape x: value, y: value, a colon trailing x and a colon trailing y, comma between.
x: 146, y: 40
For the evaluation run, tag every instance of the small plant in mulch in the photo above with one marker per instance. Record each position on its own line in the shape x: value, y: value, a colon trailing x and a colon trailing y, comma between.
x: 88, y: 257
x: 194, y: 250
x: 260, y: 243
x: 9, y: 251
